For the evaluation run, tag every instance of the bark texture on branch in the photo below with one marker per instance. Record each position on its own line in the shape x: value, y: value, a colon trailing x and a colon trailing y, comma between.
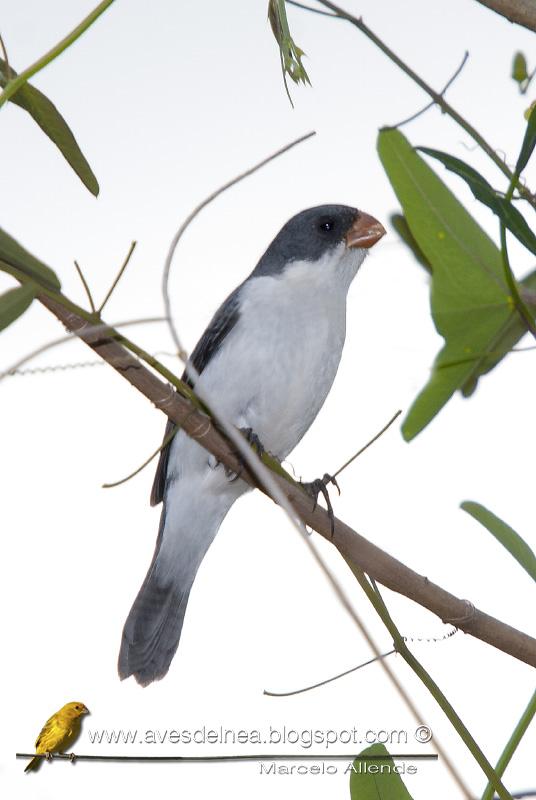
x: 523, y: 12
x: 371, y: 559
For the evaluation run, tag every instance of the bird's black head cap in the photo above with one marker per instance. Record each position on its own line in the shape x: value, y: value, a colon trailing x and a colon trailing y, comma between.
x: 307, y: 237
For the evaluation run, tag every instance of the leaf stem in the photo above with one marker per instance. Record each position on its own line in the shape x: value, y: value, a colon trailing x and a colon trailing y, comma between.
x: 147, y: 461
x: 329, y: 680
x: 86, y: 287
x: 509, y: 277
x: 118, y: 277
x: 367, y: 445
x: 15, y: 84
x: 442, y: 93
x: 512, y: 743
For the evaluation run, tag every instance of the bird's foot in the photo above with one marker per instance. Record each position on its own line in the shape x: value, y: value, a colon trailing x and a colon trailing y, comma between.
x: 253, y: 440
x: 256, y: 445
x: 48, y: 755
x: 72, y: 757
x: 320, y: 487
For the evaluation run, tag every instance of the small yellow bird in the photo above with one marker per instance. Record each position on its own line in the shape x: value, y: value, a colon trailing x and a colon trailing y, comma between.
x: 58, y: 732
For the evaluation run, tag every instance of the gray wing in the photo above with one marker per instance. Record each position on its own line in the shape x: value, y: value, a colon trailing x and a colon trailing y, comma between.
x: 220, y: 326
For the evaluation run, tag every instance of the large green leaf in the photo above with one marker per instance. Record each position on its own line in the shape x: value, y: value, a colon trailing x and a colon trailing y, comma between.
x: 13, y: 253
x: 505, y: 339
x: 51, y: 122
x: 504, y: 534
x: 14, y: 303
x: 377, y: 778
x: 486, y: 194
x: 471, y: 304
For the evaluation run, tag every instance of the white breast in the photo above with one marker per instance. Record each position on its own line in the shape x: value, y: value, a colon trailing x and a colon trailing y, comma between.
x: 278, y: 364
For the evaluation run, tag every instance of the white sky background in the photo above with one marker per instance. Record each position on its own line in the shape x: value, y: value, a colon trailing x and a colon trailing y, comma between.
x: 168, y: 101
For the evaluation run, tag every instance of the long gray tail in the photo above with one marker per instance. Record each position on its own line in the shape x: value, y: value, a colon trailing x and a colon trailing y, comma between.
x: 153, y: 628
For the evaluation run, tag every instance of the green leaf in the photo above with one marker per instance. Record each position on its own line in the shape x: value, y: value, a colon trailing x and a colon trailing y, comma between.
x: 377, y: 778
x: 13, y: 253
x: 529, y: 142
x: 289, y: 52
x: 519, y: 68
x: 504, y: 534
x: 51, y: 122
x: 505, y: 339
x: 398, y: 221
x: 471, y: 304
x: 504, y: 209
x: 529, y: 110
x: 14, y: 303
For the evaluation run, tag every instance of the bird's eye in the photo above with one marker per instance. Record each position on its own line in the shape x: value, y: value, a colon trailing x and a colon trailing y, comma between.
x: 326, y: 225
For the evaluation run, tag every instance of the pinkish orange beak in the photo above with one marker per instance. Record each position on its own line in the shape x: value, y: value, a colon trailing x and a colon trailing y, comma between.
x: 365, y: 231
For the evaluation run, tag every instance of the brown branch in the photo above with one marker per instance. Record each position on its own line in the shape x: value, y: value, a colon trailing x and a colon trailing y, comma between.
x: 375, y: 562
x: 523, y: 12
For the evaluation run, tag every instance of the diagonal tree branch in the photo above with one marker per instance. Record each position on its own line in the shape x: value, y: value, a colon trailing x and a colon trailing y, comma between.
x: 385, y: 569
x: 521, y: 11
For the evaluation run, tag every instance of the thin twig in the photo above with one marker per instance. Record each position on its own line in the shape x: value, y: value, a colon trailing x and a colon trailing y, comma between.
x: 165, y: 443
x: 436, y: 97
x: 528, y: 81
x: 89, y: 328
x: 6, y: 59
x: 329, y: 680
x: 314, y: 10
x: 368, y: 444
x: 86, y: 287
x: 442, y: 93
x: 54, y: 368
x: 241, y: 757
x: 99, y: 363
x: 15, y: 83
x: 74, y: 365
x: 174, y: 242
x: 118, y: 277
x: 365, y: 664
